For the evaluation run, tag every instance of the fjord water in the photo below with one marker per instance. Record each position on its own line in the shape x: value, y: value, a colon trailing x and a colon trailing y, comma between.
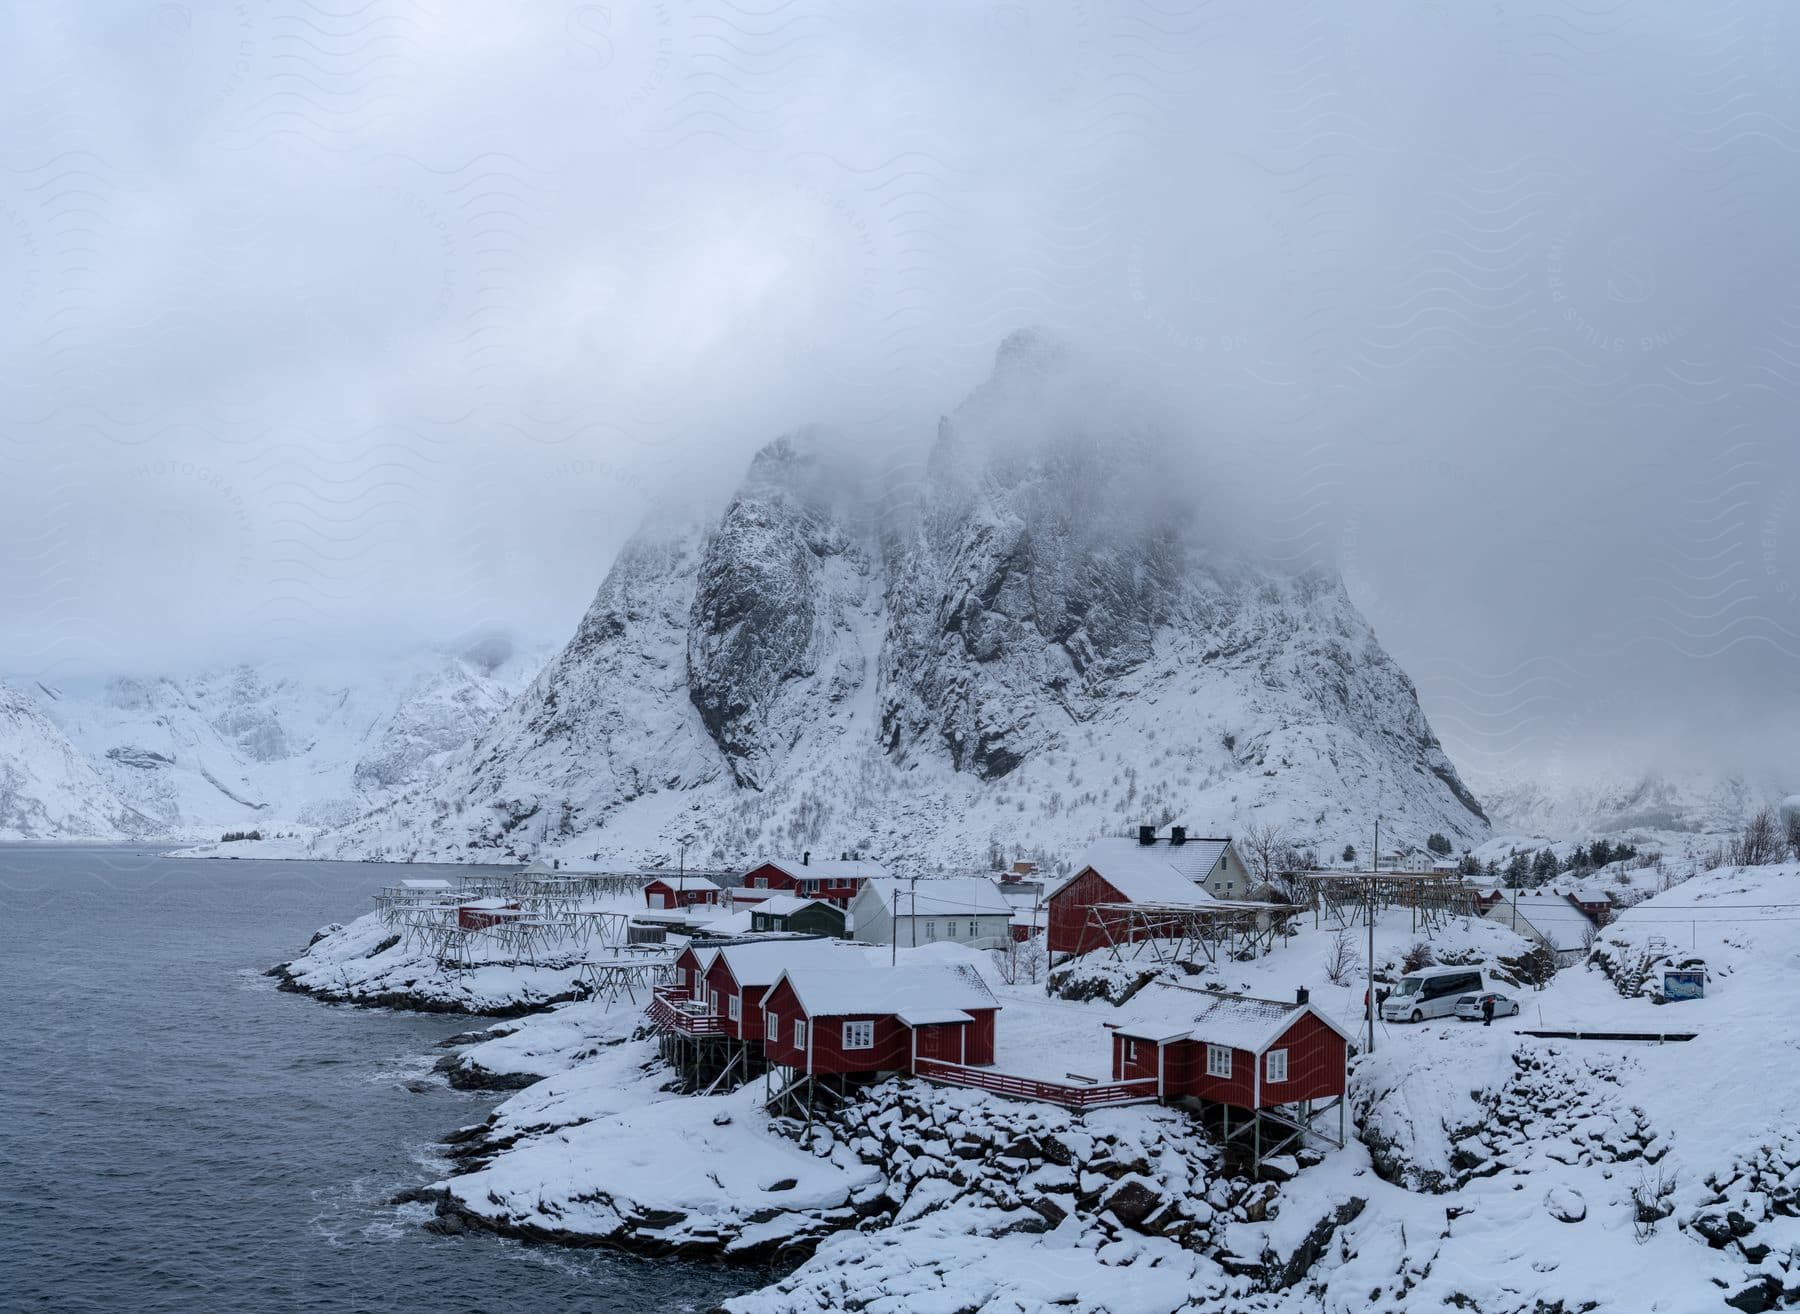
x: 177, y: 1134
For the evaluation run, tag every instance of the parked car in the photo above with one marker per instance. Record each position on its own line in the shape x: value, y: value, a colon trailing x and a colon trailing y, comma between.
x: 1468, y: 1008
x: 1431, y: 992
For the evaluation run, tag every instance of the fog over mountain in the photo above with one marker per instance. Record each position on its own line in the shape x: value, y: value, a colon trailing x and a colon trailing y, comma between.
x: 339, y: 332
x: 1048, y: 637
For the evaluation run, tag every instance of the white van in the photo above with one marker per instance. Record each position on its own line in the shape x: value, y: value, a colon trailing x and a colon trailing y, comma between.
x: 1431, y: 992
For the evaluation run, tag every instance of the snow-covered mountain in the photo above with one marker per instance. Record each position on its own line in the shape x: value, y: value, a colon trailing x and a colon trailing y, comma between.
x: 1601, y: 802
x: 48, y: 790
x: 272, y: 744
x: 1048, y: 637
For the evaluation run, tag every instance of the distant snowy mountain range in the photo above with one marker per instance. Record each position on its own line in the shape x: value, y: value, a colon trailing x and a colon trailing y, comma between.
x: 242, y: 747
x: 1676, y: 801
x: 1046, y: 638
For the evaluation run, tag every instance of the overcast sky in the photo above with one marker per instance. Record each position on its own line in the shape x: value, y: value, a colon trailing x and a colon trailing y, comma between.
x: 360, y: 323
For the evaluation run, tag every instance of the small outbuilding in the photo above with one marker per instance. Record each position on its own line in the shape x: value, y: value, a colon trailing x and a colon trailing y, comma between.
x: 672, y: 892
x: 794, y: 913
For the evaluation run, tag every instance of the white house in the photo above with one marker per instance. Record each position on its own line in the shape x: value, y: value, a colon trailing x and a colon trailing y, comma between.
x: 964, y: 909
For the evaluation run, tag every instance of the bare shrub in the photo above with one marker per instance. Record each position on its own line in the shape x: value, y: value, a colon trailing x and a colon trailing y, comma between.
x: 1419, y: 956
x: 1342, y: 961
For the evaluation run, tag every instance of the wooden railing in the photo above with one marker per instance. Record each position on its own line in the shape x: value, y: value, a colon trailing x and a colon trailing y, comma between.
x: 1100, y: 1095
x: 664, y: 1013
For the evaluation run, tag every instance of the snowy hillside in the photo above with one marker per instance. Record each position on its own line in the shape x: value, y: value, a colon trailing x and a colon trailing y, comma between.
x: 1046, y: 640
x: 271, y: 744
x: 48, y: 790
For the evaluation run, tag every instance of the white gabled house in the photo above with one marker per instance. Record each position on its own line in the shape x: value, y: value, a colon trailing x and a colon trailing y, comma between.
x: 961, y: 909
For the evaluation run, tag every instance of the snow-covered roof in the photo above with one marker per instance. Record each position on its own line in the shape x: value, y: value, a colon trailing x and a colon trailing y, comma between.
x: 680, y: 883
x: 828, y: 869
x: 1169, y: 1010
x: 786, y: 905
x: 760, y: 962
x: 931, y: 1017
x: 424, y: 885
x: 736, y: 923
x: 955, y: 896
x: 1154, y: 873
x: 839, y: 992
x: 1560, y: 922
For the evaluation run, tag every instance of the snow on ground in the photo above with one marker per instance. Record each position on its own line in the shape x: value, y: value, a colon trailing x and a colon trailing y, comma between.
x: 604, y: 1155
x: 544, y: 1044
x: 1496, y: 1171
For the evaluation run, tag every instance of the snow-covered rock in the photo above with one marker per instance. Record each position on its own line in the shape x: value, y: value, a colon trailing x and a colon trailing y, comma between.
x: 48, y: 790
x: 1050, y: 637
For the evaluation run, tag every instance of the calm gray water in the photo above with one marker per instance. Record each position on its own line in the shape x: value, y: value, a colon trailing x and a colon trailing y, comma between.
x: 177, y: 1134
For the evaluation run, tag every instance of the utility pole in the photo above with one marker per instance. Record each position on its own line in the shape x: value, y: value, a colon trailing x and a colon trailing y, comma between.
x: 1369, y: 908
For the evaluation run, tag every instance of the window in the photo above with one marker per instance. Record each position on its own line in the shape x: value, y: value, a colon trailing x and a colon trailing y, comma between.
x: 736, y: 1007
x: 1275, y: 1069
x: 1218, y: 1061
x: 1131, y: 1051
x: 859, y: 1035
x: 799, y: 1034
x: 931, y: 930
x: 973, y: 931
x: 771, y: 1025
x: 760, y: 882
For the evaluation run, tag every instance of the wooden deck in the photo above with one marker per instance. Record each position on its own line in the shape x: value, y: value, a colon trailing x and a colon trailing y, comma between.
x: 1068, y: 1095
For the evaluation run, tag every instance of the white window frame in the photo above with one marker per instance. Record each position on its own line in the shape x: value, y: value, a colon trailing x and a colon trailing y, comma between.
x: 771, y: 1025
x: 1131, y: 1051
x: 800, y: 1035
x: 859, y: 1035
x: 931, y: 930
x: 974, y: 928
x: 1218, y: 1061
x: 734, y: 1008
x: 1275, y: 1067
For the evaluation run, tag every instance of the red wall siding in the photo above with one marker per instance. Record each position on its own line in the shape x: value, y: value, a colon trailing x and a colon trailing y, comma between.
x: 892, y: 1049
x: 688, y: 962
x: 1238, y: 1089
x: 981, y: 1036
x: 1069, y: 933
x: 673, y: 899
x: 1315, y: 1063
x: 1145, y: 1064
x: 779, y: 1048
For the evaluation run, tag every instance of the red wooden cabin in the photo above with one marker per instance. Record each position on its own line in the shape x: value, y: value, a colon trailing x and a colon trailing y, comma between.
x: 833, y: 880
x: 824, y: 1021
x: 480, y: 914
x: 739, y: 975
x: 680, y: 892
x: 1243, y: 1052
x: 1160, y: 874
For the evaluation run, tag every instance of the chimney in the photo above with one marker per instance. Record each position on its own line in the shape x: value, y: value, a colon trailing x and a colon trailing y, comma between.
x: 806, y: 857
x: 844, y: 857
x: 1178, y: 834
x: 1146, y: 835
x: 1303, y: 996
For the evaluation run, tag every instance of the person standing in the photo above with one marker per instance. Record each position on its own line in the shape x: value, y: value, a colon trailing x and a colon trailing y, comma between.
x: 1487, y: 1010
